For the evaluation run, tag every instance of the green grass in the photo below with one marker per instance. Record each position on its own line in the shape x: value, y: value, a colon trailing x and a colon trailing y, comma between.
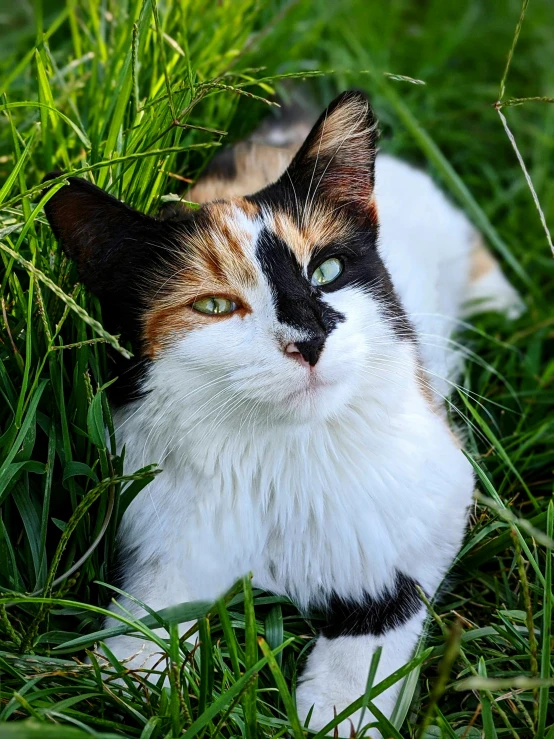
x: 99, y: 87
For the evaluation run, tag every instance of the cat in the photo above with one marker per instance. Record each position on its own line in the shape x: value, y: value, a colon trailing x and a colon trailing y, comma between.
x: 292, y: 365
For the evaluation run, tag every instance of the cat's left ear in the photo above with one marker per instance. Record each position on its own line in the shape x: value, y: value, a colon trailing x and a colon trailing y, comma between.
x: 337, y: 160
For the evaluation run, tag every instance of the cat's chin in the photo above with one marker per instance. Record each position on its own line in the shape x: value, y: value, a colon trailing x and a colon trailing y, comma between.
x: 316, y: 400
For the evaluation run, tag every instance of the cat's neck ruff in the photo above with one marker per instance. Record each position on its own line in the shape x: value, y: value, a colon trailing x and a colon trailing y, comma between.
x: 327, y: 488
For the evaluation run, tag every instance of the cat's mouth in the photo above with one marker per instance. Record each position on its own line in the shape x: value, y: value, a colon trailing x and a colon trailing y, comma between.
x: 311, y: 384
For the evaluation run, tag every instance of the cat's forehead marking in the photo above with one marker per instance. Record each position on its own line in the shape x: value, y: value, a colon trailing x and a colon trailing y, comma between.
x: 226, y: 240
x: 305, y: 237
x: 284, y: 249
x: 223, y: 255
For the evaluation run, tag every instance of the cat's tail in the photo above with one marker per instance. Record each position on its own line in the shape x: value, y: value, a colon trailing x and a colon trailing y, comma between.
x: 488, y: 288
x: 288, y: 125
x: 258, y: 161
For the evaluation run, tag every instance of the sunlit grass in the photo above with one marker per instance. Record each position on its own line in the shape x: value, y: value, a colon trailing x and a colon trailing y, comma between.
x: 135, y: 96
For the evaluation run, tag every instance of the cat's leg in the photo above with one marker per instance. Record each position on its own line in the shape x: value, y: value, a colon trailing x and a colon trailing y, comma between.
x: 337, y: 669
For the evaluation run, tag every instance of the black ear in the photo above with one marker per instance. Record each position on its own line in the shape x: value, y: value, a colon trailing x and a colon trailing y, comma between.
x: 103, y: 235
x: 118, y: 251
x: 337, y: 160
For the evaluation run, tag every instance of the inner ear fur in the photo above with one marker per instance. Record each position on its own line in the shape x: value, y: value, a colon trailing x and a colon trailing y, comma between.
x: 337, y: 159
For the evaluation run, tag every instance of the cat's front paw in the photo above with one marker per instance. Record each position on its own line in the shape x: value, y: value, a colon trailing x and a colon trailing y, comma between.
x: 328, y: 701
x: 141, y: 660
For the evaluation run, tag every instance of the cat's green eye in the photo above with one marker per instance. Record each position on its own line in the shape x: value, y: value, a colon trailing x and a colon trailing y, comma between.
x: 214, y: 306
x: 327, y: 272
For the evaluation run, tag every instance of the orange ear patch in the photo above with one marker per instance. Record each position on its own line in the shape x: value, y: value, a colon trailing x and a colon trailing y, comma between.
x: 343, y: 130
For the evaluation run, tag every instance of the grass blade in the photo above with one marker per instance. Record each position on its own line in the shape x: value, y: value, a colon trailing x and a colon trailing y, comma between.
x: 280, y: 682
x: 546, y: 650
x: 251, y: 653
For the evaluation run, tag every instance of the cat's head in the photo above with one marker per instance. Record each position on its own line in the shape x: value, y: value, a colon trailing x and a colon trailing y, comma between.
x: 277, y: 301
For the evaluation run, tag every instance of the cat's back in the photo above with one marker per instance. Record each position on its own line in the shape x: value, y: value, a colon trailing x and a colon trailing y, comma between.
x: 427, y: 245
x: 424, y: 240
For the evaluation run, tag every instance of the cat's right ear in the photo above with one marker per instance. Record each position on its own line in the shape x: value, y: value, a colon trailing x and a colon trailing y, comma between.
x: 337, y: 159
x: 101, y: 234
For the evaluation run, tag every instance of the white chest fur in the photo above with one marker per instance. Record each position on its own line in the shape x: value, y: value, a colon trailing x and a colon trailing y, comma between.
x: 335, y: 506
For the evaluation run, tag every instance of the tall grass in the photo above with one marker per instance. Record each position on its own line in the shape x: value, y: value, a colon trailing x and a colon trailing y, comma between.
x: 137, y: 95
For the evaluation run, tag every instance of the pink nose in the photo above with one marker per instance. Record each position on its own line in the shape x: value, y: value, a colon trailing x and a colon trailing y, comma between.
x: 294, y: 353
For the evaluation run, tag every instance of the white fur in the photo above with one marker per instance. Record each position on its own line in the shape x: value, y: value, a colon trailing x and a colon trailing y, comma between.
x: 319, y: 486
x: 425, y: 243
x: 338, y: 670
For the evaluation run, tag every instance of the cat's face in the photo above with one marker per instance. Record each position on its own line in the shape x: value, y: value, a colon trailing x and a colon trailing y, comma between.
x: 276, y: 302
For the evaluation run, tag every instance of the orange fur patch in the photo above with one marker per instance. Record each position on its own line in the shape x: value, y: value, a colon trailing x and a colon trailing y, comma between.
x: 482, y: 261
x: 249, y: 208
x: 322, y: 227
x: 424, y: 386
x: 213, y: 262
x: 373, y: 211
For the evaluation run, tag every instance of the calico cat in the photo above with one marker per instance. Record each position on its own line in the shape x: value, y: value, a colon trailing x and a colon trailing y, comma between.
x: 292, y: 364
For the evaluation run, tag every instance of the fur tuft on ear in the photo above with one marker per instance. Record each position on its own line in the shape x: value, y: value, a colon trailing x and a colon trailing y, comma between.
x: 337, y: 160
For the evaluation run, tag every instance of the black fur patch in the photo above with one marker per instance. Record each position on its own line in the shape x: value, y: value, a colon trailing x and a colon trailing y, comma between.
x: 298, y: 302
x: 373, y: 616
x: 130, y: 377
x: 362, y: 265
